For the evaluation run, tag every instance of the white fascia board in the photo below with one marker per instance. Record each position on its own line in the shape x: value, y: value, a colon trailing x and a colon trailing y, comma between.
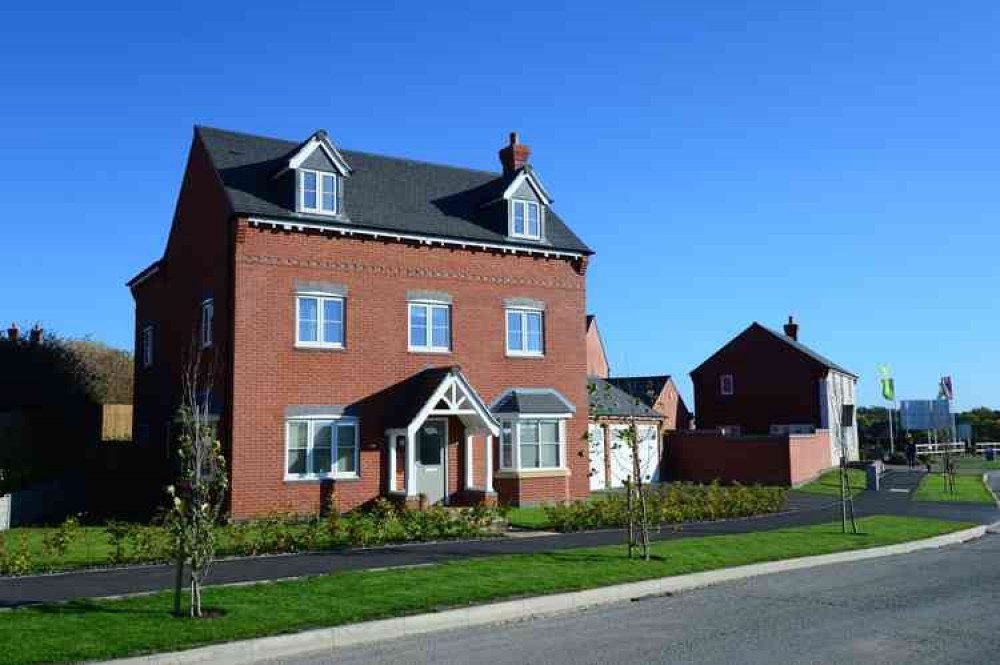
x: 535, y: 183
x: 328, y: 148
x: 292, y: 225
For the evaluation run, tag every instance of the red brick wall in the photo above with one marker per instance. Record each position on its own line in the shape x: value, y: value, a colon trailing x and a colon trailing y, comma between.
x: 773, y: 384
x: 597, y: 361
x: 704, y: 456
x: 196, y: 263
x: 269, y: 373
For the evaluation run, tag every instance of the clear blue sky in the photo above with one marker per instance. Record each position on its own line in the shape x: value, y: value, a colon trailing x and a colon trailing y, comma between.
x: 729, y: 162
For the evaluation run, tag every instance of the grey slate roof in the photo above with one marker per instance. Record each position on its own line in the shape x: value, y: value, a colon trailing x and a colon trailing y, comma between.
x: 646, y: 388
x: 532, y: 400
x: 383, y: 193
x: 802, y: 348
x: 607, y: 399
x: 403, y: 401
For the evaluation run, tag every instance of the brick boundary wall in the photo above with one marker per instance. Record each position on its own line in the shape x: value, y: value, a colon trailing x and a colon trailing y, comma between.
x: 704, y: 456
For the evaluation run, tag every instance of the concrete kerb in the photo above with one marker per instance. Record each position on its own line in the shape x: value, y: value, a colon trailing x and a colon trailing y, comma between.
x: 331, y: 639
x: 989, y: 488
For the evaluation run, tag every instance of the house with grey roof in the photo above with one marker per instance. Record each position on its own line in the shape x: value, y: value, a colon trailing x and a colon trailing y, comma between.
x: 378, y: 325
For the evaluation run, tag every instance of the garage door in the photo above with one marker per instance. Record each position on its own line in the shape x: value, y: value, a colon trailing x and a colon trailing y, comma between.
x: 598, y: 478
x: 621, y: 456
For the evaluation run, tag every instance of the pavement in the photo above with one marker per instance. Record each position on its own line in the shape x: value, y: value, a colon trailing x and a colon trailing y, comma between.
x: 803, y: 509
x: 929, y: 607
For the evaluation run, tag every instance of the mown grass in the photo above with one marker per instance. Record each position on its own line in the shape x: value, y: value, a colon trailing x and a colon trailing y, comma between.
x: 101, y: 629
x: 529, y: 517
x: 968, y: 489
x: 829, y: 483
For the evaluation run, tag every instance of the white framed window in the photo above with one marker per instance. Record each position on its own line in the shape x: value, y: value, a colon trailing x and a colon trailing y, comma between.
x: 321, y: 448
x: 726, y: 384
x: 533, y: 443
x: 318, y: 192
x: 429, y: 327
x: 527, y: 222
x: 525, y: 332
x: 207, y: 322
x: 147, y: 346
x: 319, y: 320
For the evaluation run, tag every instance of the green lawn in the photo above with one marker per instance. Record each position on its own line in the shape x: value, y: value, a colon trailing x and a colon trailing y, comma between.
x: 90, y: 548
x: 829, y: 483
x: 968, y: 463
x: 968, y: 489
x: 101, y: 629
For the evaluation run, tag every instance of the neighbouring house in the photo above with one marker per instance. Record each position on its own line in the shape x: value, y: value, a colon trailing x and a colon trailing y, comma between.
x: 597, y: 357
x: 612, y: 412
x: 379, y: 326
x: 651, y: 402
x: 768, y: 409
x: 660, y: 394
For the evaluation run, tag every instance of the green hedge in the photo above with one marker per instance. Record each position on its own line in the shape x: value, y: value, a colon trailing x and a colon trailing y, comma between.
x: 672, y: 504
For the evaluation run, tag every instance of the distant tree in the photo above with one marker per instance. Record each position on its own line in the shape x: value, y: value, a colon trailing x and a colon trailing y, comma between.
x: 108, y: 371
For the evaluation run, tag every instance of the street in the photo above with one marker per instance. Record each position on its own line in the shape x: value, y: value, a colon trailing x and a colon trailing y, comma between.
x: 930, y: 607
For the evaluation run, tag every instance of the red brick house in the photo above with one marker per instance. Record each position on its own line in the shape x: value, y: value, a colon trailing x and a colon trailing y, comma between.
x: 381, y: 326
x: 767, y: 383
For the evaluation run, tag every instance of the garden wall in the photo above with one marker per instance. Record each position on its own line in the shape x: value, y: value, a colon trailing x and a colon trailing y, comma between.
x: 702, y: 456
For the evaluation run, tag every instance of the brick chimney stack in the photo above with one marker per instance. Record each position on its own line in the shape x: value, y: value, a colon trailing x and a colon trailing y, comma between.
x: 13, y: 332
x: 35, y: 335
x: 792, y: 329
x: 514, y: 156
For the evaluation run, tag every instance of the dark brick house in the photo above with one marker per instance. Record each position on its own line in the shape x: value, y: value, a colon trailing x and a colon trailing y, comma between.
x: 763, y: 382
x: 381, y: 326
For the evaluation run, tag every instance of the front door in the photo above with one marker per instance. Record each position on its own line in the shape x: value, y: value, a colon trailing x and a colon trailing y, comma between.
x: 430, y: 473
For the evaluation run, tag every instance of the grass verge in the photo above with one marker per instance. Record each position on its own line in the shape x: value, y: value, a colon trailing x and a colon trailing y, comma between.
x: 968, y: 489
x: 102, y: 629
x: 829, y: 483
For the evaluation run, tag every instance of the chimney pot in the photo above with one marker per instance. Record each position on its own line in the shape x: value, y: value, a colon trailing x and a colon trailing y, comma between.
x: 792, y: 329
x: 35, y: 336
x: 13, y: 332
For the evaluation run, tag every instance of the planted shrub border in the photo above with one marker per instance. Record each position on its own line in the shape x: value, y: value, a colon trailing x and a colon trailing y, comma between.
x: 670, y: 504
x: 127, y: 543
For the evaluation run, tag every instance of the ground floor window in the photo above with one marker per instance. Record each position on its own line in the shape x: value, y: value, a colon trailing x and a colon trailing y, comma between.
x: 321, y: 448
x: 538, y: 442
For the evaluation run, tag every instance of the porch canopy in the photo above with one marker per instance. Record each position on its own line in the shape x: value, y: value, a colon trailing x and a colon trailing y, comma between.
x: 437, y: 392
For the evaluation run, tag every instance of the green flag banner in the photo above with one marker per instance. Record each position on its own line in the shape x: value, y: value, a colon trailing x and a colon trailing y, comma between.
x: 888, y: 389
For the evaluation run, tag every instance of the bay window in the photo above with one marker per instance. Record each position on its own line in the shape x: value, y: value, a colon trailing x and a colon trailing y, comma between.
x: 533, y: 443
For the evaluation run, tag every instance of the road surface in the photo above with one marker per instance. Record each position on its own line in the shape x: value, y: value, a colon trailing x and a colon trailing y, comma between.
x: 935, y: 607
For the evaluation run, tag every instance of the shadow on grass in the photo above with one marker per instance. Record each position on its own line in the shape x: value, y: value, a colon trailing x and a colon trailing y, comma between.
x: 90, y: 607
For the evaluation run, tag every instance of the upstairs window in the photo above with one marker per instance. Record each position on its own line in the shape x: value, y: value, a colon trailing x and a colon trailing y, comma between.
x: 525, y: 332
x: 147, y: 346
x: 726, y: 384
x: 319, y: 321
x: 527, y: 219
x: 207, y: 322
x: 318, y: 192
x: 430, y: 327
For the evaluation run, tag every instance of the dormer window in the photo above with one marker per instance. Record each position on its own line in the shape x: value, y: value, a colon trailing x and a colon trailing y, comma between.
x: 318, y: 192
x: 527, y: 219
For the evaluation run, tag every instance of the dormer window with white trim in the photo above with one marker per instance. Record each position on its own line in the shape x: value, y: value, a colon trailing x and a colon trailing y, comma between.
x: 527, y: 219
x: 318, y: 192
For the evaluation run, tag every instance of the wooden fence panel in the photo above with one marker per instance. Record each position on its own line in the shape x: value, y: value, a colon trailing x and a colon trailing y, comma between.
x: 116, y: 422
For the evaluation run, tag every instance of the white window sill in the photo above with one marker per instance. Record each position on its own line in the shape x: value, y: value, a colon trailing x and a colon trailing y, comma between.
x: 317, y: 211
x: 319, y: 478
x: 524, y: 354
x: 425, y: 350
x: 553, y: 472
x: 317, y: 346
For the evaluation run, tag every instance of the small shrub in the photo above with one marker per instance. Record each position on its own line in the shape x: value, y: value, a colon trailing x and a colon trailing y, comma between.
x: 57, y: 542
x: 118, y: 533
x: 18, y: 562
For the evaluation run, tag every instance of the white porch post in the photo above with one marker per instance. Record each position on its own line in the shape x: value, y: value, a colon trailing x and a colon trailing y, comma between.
x: 489, y: 464
x: 411, y: 465
x: 469, y: 477
x: 392, y: 462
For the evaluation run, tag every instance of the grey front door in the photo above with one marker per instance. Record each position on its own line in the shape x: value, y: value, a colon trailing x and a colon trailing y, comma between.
x: 430, y: 472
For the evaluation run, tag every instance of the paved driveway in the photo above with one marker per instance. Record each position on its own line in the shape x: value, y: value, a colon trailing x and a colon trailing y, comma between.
x: 916, y: 609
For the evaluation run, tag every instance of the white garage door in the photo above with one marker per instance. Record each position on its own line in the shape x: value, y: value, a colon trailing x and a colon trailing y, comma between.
x: 621, y: 456
x: 597, y: 476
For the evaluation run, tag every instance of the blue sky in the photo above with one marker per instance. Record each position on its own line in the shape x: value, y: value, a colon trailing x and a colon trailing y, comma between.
x: 729, y: 162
